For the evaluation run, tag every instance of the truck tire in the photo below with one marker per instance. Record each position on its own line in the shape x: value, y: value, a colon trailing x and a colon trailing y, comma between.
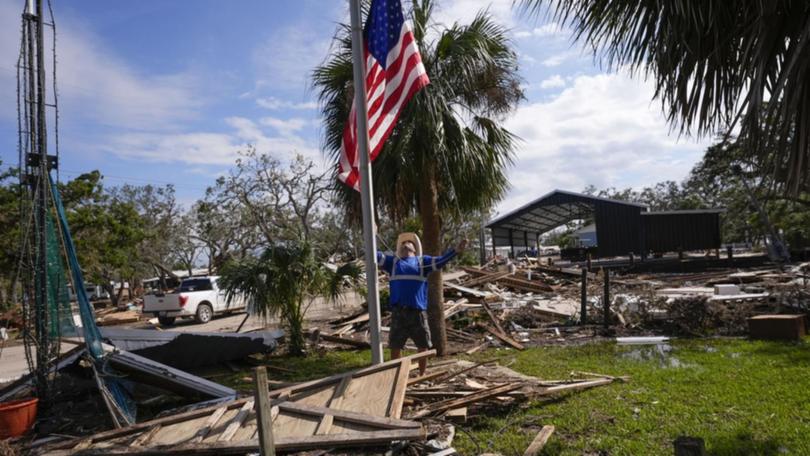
x: 167, y: 321
x: 204, y: 312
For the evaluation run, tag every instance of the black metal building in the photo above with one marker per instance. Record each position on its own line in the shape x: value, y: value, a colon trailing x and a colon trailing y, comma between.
x: 621, y: 227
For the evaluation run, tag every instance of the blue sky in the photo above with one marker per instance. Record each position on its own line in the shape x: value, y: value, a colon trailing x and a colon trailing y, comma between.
x: 168, y: 92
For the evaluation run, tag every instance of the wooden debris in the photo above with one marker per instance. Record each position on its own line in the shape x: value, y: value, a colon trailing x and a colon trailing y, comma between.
x: 438, y: 407
x: 353, y: 409
x: 342, y: 340
x: 457, y: 415
x: 505, y: 338
x: 539, y: 441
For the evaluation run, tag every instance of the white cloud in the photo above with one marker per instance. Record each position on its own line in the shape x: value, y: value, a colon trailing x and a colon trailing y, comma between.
x: 464, y: 11
x: 274, y: 103
x: 556, y: 59
x: 97, y: 86
x: 553, y: 82
x: 285, y: 127
x: 205, y: 148
x: 288, y: 56
x: 602, y: 130
x: 545, y: 30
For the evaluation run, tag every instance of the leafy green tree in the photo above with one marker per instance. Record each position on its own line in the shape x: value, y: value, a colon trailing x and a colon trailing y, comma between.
x: 9, y: 233
x: 282, y: 282
x: 716, y: 64
x: 106, y: 230
x: 448, y: 153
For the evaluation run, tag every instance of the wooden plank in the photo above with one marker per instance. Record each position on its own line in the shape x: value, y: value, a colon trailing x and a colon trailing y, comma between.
x: 503, y: 337
x: 252, y: 446
x: 469, y: 399
x: 457, y: 415
x: 264, y: 421
x: 341, y: 340
x: 371, y: 394
x: 209, y: 424
x: 477, y: 348
x: 144, y: 438
x: 426, y: 377
x: 398, y: 391
x: 492, y: 317
x: 236, y: 422
x: 165, y: 421
x: 524, y: 285
x: 486, y: 278
x: 326, y: 422
x: 469, y: 291
x: 539, y: 441
x: 455, y: 275
x: 577, y: 386
x: 293, y: 389
x: 379, y: 422
x: 466, y: 369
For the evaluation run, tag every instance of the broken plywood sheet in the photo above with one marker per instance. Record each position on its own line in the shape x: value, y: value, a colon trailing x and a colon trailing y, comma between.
x: 351, y: 409
x: 374, y: 390
x: 557, y: 307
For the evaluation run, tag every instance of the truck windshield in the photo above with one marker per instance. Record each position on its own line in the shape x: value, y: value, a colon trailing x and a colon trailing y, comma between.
x: 196, y: 285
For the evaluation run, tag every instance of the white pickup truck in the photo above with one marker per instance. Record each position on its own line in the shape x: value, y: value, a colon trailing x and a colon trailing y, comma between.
x: 197, y: 297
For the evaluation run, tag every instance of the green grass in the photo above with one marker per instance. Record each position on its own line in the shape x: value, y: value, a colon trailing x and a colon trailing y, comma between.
x: 743, y: 397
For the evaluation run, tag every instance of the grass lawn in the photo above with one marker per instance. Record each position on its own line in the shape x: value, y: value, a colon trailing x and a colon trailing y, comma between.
x: 743, y: 397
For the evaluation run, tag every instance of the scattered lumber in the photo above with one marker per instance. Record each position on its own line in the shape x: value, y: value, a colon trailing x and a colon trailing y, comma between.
x: 532, y: 286
x: 438, y: 407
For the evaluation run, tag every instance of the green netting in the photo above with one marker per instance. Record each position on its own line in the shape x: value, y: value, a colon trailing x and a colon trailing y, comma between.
x: 60, y: 315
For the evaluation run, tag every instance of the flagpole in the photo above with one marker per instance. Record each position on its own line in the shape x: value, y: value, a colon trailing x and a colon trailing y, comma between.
x: 366, y: 193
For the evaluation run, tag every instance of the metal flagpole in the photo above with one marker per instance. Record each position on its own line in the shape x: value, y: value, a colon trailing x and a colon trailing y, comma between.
x: 366, y: 194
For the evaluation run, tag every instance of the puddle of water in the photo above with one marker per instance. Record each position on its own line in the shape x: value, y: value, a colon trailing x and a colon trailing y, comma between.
x: 658, y: 353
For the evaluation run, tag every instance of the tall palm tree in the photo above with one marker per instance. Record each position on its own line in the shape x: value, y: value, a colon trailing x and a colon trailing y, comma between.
x: 716, y: 64
x: 447, y: 155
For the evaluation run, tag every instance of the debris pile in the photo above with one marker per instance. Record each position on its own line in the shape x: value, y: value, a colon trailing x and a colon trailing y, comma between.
x: 353, y: 410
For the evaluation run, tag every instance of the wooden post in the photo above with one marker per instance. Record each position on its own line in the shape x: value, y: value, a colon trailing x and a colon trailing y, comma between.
x: 264, y: 419
x: 588, y: 261
x: 583, y: 317
x: 494, y: 249
x: 606, y: 297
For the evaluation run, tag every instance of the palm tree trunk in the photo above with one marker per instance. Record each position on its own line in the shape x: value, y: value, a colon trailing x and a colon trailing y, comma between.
x: 432, y: 244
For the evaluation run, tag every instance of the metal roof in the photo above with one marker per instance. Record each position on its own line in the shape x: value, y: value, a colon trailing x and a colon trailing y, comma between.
x: 552, y: 210
x: 686, y: 211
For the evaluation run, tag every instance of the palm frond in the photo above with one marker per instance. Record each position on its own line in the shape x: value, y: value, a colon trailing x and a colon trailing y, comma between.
x: 716, y: 64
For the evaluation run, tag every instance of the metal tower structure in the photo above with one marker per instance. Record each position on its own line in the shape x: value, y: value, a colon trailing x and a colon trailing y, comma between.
x: 41, y: 338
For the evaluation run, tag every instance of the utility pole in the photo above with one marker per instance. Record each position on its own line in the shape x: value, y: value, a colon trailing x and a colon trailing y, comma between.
x: 366, y: 192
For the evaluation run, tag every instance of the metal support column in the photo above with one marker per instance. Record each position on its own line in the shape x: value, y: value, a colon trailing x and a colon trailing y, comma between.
x: 583, y: 316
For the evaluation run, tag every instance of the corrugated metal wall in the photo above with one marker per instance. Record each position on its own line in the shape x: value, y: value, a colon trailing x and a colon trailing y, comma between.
x: 618, y: 229
x: 670, y: 232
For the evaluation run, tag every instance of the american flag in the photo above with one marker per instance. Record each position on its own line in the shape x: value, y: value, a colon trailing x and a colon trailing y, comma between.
x: 394, y: 72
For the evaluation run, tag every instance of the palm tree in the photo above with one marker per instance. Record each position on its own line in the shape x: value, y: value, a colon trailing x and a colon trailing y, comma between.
x: 448, y: 154
x: 283, y: 281
x: 717, y: 64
